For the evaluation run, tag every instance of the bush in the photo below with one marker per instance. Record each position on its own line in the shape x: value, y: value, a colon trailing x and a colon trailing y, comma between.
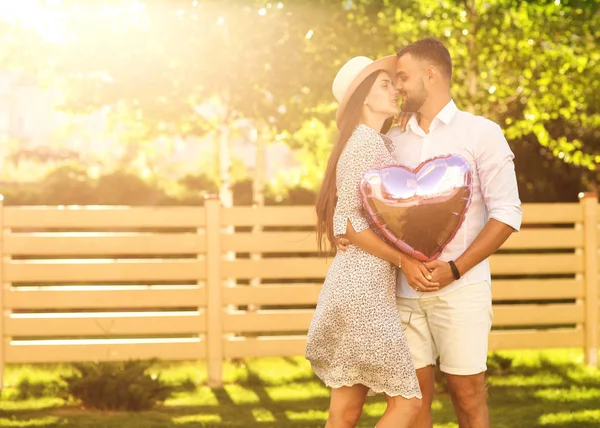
x: 72, y: 185
x: 28, y: 389
x: 498, y: 364
x: 117, y: 385
x: 125, y: 188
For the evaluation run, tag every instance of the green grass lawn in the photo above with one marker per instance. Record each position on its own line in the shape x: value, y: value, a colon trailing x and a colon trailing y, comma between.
x: 541, y: 389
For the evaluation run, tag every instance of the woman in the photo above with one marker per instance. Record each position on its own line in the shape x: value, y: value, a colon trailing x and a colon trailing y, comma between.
x: 355, y: 342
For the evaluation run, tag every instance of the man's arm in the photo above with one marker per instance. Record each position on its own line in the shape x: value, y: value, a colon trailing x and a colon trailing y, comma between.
x: 491, y: 237
x: 496, y: 170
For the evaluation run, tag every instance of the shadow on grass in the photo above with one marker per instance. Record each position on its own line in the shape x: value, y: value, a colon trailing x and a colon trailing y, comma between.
x: 554, y: 395
x: 547, y: 394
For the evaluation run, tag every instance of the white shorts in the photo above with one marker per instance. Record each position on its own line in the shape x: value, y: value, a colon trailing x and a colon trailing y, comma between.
x: 454, y: 326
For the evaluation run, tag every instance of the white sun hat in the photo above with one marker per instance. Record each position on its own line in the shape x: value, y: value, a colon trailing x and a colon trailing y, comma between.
x: 352, y: 74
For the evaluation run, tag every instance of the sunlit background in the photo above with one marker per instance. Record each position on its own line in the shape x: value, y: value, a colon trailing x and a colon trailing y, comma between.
x: 183, y: 98
x: 162, y: 102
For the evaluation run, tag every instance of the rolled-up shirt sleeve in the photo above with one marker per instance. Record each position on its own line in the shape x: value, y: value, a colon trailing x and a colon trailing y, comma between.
x: 496, y: 171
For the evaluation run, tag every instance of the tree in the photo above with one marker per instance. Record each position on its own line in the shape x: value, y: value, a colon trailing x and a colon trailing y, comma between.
x: 531, y: 67
x: 203, y: 67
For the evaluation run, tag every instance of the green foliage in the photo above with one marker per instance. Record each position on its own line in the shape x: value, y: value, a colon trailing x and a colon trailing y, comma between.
x: 182, y: 68
x: 72, y: 185
x: 313, y: 142
x: 31, y: 388
x: 498, y: 364
x: 121, y: 186
x: 531, y: 67
x: 539, y: 388
x: 117, y: 386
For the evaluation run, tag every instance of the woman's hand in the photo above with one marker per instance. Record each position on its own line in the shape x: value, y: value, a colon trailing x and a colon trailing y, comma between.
x: 417, y: 275
x: 403, y: 119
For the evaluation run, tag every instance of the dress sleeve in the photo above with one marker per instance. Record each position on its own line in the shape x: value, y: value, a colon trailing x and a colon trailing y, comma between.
x: 364, y: 150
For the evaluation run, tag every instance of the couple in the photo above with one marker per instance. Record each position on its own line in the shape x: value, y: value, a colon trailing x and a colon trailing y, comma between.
x: 356, y: 343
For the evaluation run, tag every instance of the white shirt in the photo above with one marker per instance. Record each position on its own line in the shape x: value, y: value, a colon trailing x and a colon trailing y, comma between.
x: 494, y: 187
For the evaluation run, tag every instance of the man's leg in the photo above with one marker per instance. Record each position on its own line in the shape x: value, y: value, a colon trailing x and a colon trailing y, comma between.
x: 423, y: 352
x: 468, y: 395
x: 460, y: 324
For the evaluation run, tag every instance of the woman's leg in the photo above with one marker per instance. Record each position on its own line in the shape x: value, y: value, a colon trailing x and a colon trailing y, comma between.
x: 400, y: 412
x: 346, y: 406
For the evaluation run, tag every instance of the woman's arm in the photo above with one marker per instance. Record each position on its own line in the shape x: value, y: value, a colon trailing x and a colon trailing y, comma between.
x: 365, y: 150
x: 370, y: 242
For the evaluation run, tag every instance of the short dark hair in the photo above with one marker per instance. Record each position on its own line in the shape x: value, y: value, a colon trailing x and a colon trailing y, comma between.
x: 430, y: 49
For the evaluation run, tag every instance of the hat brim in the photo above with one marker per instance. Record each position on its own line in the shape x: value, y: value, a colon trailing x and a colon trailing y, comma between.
x: 387, y: 63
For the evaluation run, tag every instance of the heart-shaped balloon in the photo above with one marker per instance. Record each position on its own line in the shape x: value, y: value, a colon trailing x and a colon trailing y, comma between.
x: 419, y: 211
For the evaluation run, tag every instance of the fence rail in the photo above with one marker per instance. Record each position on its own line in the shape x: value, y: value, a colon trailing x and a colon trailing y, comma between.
x: 113, y: 283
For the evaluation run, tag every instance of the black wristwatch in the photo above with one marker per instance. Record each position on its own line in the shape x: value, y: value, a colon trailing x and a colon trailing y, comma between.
x: 455, y: 271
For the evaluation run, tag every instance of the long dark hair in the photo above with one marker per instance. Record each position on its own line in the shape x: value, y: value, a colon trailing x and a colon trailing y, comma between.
x: 327, y: 198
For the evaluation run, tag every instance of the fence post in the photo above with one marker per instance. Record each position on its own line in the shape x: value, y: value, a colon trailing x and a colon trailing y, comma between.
x: 258, y: 198
x: 2, y: 294
x: 589, y: 203
x: 214, y: 304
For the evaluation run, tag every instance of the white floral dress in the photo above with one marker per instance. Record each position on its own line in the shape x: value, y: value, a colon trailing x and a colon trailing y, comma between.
x: 356, y: 336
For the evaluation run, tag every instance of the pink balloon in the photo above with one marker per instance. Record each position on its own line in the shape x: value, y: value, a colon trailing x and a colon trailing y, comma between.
x: 419, y: 211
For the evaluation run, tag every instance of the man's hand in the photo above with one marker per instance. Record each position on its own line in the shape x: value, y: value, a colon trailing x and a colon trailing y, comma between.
x: 440, y: 272
x: 402, y: 120
x: 417, y: 275
x: 342, y: 244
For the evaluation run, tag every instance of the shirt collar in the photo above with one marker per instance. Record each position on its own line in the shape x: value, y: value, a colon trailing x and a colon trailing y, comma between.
x: 413, y: 123
x: 448, y: 112
x: 445, y: 116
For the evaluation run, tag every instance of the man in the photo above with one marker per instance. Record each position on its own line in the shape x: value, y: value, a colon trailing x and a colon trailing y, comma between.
x: 453, y: 322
